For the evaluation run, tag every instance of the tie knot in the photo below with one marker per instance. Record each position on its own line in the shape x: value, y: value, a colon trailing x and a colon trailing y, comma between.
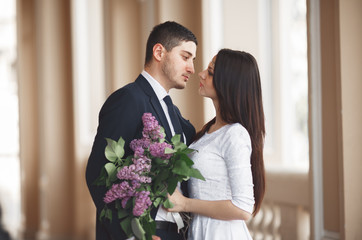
x: 168, y: 100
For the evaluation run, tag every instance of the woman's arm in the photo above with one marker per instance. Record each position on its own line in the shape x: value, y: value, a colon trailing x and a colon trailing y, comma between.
x: 222, y: 209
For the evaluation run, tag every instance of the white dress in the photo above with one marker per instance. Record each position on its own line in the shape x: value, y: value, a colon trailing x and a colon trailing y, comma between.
x: 223, y: 158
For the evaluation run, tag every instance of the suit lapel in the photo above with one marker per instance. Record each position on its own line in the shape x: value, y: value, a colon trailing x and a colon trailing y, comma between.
x: 155, y: 103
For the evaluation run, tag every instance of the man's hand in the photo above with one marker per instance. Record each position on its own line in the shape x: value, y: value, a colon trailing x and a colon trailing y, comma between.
x: 155, y: 237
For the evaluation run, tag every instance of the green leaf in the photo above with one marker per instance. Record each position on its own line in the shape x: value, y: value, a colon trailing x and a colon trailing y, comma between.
x: 172, y: 183
x: 157, y: 201
x: 122, y: 213
x: 180, y: 146
x: 195, y: 173
x: 149, y: 227
x: 114, y: 150
x: 110, y: 168
x: 137, y: 229
x: 183, y: 178
x: 169, y: 150
x: 119, y: 148
x: 181, y: 168
x: 128, y: 160
x: 168, y: 204
x: 188, y: 150
x: 121, y: 142
x: 186, y: 159
x: 176, y: 139
x: 126, y: 226
x: 129, y: 203
x: 108, y: 214
x: 111, y: 171
x: 161, y: 190
x: 109, y: 152
x: 101, y: 179
x: 159, y: 181
x: 103, y: 213
x: 162, y: 130
x: 163, y: 175
x: 159, y: 161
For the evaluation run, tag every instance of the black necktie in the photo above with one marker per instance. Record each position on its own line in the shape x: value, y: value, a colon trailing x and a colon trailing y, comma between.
x: 178, y: 130
x: 174, y: 119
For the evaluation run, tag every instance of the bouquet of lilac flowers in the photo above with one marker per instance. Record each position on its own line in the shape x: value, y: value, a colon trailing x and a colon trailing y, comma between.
x: 141, y: 181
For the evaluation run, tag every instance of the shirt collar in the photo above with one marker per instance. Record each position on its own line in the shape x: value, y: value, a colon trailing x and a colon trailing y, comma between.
x: 159, y: 90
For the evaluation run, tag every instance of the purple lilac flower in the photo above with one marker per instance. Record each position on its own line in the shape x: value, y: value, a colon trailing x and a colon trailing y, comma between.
x: 134, y: 175
x: 134, y: 171
x: 128, y: 173
x: 138, y: 146
x: 145, y: 179
x: 119, y: 191
x: 124, y: 201
x: 158, y: 150
x: 143, y: 164
x: 151, y: 129
x: 138, y: 152
x: 142, y: 202
x: 136, y: 184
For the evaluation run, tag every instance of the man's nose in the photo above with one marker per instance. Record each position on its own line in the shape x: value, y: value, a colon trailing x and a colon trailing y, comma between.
x: 191, y: 68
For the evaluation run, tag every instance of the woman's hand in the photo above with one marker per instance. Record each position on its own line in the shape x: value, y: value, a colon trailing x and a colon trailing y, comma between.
x: 219, y: 209
x: 179, y: 202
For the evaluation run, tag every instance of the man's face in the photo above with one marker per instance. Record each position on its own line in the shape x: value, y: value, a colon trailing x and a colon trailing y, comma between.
x: 178, y: 65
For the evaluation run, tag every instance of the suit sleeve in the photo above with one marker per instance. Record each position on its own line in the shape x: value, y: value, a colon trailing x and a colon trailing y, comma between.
x: 120, y: 116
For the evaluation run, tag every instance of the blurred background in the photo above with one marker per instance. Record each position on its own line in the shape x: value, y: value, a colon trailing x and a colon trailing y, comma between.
x: 59, y: 60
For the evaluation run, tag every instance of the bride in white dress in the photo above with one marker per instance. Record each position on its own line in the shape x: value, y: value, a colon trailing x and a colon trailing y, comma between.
x: 229, y: 151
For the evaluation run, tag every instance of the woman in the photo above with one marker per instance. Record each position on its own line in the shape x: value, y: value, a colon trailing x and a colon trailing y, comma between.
x: 229, y: 151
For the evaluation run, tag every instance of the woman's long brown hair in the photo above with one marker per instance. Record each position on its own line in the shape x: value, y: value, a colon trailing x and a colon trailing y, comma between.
x: 237, y: 83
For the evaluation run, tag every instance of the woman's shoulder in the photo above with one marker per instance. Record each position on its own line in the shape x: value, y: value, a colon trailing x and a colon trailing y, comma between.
x: 236, y: 139
x: 236, y: 132
x: 236, y: 129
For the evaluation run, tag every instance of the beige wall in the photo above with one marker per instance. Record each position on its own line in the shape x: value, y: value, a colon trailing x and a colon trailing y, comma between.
x: 341, y: 59
x: 331, y: 109
x: 123, y: 42
x: 351, y: 85
x: 29, y: 137
x: 46, y: 131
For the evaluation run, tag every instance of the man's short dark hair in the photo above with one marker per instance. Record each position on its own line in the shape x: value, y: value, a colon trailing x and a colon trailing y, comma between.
x: 169, y: 34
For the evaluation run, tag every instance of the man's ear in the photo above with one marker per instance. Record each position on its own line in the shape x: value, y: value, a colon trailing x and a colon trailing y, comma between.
x: 158, y: 50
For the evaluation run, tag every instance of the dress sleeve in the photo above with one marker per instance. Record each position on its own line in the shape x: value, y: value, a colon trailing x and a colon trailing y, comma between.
x: 237, y: 153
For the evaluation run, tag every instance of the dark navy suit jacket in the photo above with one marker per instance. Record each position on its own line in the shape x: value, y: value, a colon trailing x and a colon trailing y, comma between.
x: 121, y: 116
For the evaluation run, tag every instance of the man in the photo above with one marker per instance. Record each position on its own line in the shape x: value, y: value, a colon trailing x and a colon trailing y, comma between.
x: 170, y: 52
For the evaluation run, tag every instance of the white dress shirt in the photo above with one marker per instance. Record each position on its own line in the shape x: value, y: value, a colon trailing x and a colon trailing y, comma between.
x: 162, y: 214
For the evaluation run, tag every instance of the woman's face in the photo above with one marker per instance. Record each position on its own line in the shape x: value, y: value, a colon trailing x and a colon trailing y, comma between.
x: 206, y: 88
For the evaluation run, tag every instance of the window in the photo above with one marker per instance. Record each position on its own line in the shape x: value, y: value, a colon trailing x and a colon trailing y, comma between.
x: 275, y: 33
x: 89, y: 76
x: 289, y: 76
x: 9, y: 125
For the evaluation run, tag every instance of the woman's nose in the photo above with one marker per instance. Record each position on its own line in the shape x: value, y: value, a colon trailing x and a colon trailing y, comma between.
x: 202, y: 74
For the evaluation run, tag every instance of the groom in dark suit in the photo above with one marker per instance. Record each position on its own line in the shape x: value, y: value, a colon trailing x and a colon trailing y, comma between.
x: 170, y: 51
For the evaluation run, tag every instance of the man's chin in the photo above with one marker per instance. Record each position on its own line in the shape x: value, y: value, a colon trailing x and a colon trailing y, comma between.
x: 181, y: 86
